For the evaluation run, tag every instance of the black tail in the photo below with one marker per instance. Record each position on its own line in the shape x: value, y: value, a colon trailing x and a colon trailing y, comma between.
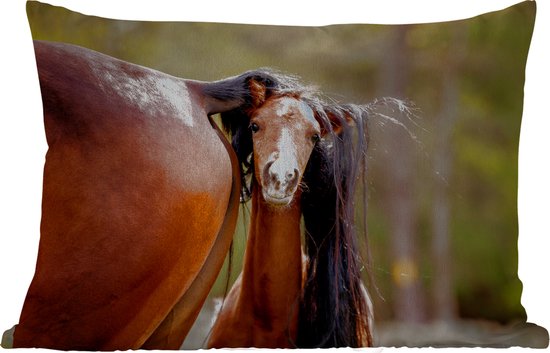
x: 333, y: 310
x: 234, y: 92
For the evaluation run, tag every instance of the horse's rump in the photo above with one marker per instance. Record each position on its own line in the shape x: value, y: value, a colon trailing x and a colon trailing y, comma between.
x: 137, y: 187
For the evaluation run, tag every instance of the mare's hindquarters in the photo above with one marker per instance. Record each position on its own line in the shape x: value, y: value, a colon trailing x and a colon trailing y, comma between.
x: 137, y: 185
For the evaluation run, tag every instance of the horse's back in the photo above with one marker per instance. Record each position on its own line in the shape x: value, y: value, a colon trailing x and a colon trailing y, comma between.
x: 137, y: 184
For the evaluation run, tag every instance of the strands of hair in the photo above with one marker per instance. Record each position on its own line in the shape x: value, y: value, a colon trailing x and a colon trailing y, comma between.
x: 333, y: 310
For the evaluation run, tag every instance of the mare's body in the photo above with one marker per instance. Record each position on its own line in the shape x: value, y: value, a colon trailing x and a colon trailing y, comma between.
x: 140, y: 201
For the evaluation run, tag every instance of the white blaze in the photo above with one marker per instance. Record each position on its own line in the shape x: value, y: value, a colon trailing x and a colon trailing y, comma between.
x: 286, y: 161
x: 284, y: 108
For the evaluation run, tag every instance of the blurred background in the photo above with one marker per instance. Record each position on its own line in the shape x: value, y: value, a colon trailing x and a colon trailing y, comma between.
x: 442, y: 208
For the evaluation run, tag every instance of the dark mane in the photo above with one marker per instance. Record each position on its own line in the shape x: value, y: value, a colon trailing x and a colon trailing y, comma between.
x: 333, y: 311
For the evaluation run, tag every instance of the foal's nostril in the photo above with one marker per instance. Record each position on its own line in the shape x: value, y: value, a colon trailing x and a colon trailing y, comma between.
x: 267, y: 174
x: 292, y: 178
x: 291, y: 175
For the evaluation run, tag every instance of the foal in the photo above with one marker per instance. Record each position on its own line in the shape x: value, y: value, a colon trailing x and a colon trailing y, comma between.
x: 278, y: 298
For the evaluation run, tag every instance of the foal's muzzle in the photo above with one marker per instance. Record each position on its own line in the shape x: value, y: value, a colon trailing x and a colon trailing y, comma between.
x: 279, y: 184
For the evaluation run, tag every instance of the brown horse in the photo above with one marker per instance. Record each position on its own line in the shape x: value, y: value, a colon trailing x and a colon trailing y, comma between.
x: 303, y: 162
x: 140, y: 201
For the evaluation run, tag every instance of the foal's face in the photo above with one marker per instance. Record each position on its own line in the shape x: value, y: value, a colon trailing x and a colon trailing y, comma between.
x: 284, y: 132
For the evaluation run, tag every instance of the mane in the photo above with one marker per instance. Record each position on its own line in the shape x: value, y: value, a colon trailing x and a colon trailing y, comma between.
x: 333, y: 311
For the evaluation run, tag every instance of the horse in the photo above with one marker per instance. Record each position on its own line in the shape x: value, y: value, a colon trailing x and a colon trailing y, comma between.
x: 140, y: 201
x: 302, y: 157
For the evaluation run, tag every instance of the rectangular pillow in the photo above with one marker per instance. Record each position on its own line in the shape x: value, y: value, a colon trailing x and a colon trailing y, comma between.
x: 443, y: 227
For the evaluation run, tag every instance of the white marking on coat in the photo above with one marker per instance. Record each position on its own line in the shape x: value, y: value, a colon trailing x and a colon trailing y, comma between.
x: 285, y: 104
x: 154, y: 93
x: 287, y: 160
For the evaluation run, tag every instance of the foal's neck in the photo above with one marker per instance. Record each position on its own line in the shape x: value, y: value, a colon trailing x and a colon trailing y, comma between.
x: 272, y: 273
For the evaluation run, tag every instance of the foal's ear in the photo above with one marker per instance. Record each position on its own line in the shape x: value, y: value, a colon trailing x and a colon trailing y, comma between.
x: 337, y: 120
x: 258, y: 92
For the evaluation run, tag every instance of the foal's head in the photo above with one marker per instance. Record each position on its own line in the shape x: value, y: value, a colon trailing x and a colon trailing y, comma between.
x: 284, y: 133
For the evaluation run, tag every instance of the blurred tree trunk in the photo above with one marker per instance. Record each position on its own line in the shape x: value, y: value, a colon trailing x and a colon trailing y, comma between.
x: 444, y: 303
x: 400, y: 175
x: 445, y: 306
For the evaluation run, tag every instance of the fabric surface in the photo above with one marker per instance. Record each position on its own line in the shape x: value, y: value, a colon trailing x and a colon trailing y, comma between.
x: 442, y: 214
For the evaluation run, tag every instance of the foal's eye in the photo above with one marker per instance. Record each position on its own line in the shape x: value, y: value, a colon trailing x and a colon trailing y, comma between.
x: 254, y: 127
x: 316, y: 138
